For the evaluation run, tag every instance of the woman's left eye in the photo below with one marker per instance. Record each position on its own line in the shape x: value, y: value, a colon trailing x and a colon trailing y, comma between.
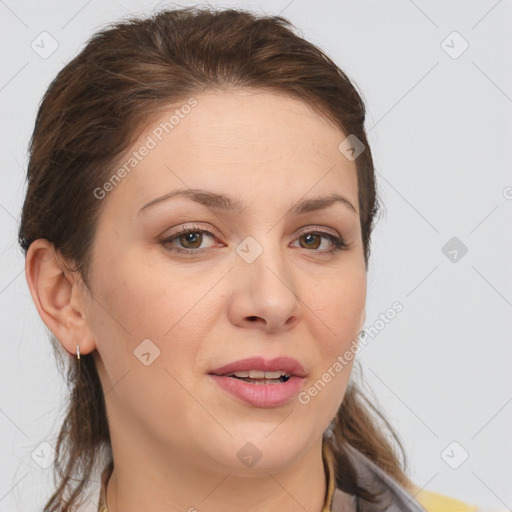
x: 311, y: 238
x: 192, y: 238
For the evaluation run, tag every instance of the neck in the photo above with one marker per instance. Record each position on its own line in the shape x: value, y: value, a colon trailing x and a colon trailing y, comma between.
x: 140, y: 482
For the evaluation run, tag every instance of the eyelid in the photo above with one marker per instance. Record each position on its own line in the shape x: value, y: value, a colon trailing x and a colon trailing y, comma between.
x: 187, y: 227
x: 322, y: 229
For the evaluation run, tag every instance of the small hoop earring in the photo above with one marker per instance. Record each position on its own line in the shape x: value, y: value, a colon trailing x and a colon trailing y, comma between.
x: 329, y: 431
x: 78, y: 351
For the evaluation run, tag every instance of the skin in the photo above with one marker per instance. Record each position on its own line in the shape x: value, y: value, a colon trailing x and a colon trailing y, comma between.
x: 175, y: 433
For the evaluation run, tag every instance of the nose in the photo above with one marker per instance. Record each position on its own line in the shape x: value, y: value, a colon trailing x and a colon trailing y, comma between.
x: 264, y: 293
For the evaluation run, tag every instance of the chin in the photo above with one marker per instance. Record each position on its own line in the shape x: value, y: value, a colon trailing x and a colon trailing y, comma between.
x: 261, y: 452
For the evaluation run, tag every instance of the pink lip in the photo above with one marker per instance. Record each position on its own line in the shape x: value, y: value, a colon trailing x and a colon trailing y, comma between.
x: 287, y: 364
x: 261, y: 395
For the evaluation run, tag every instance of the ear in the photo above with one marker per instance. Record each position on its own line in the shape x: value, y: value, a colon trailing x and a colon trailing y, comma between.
x: 58, y: 297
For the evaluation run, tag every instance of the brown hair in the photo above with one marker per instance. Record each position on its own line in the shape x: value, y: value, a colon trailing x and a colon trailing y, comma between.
x: 93, y: 111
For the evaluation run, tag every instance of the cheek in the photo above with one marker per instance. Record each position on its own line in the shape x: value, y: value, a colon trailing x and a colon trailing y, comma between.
x: 134, y: 304
x: 338, y: 306
x: 337, y: 311
x: 140, y: 302
x: 137, y: 295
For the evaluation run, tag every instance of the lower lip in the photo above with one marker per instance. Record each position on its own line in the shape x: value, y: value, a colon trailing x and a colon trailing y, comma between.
x: 261, y: 395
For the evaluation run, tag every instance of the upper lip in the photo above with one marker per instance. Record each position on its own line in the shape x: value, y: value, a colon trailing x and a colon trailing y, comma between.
x: 286, y: 364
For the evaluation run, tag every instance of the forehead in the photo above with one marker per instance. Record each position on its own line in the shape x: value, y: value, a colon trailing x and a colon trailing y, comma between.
x: 248, y: 142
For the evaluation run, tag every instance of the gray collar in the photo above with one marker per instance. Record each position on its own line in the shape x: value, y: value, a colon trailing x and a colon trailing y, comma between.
x: 394, y: 497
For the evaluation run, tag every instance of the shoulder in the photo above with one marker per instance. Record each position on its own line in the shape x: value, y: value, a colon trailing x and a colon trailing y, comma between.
x: 434, y: 502
x: 396, y: 497
x: 391, y: 496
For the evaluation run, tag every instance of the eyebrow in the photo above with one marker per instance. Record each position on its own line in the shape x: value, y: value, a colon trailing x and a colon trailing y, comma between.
x: 230, y: 203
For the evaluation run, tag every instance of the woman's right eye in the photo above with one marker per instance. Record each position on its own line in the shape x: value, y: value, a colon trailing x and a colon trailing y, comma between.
x: 191, y: 237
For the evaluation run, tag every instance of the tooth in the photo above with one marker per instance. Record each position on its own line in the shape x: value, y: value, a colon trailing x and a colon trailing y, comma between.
x: 259, y: 374
x: 273, y: 375
x: 256, y: 374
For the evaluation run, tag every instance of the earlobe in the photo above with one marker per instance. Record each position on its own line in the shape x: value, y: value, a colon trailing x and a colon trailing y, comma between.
x: 54, y: 291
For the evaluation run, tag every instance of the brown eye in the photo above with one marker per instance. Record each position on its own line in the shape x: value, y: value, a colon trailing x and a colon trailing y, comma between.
x: 191, y: 240
x: 188, y: 240
x: 311, y: 240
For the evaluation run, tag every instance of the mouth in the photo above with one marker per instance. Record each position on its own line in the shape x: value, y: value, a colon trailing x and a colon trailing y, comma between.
x: 261, y: 382
x: 260, y: 377
x: 255, y: 369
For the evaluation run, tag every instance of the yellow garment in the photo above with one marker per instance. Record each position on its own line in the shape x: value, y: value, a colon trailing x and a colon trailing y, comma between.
x: 430, y: 501
x: 434, y: 502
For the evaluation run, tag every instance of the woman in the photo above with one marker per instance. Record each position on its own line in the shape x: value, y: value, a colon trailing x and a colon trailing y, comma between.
x: 197, y: 225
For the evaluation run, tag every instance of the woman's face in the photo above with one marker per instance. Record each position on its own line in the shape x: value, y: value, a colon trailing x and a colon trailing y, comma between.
x: 168, y: 309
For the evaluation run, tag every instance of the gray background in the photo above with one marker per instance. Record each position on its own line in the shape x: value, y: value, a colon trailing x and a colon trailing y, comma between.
x: 440, y: 130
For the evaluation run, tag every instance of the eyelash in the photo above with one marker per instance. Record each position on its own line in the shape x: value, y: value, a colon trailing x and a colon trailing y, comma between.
x: 338, y: 242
